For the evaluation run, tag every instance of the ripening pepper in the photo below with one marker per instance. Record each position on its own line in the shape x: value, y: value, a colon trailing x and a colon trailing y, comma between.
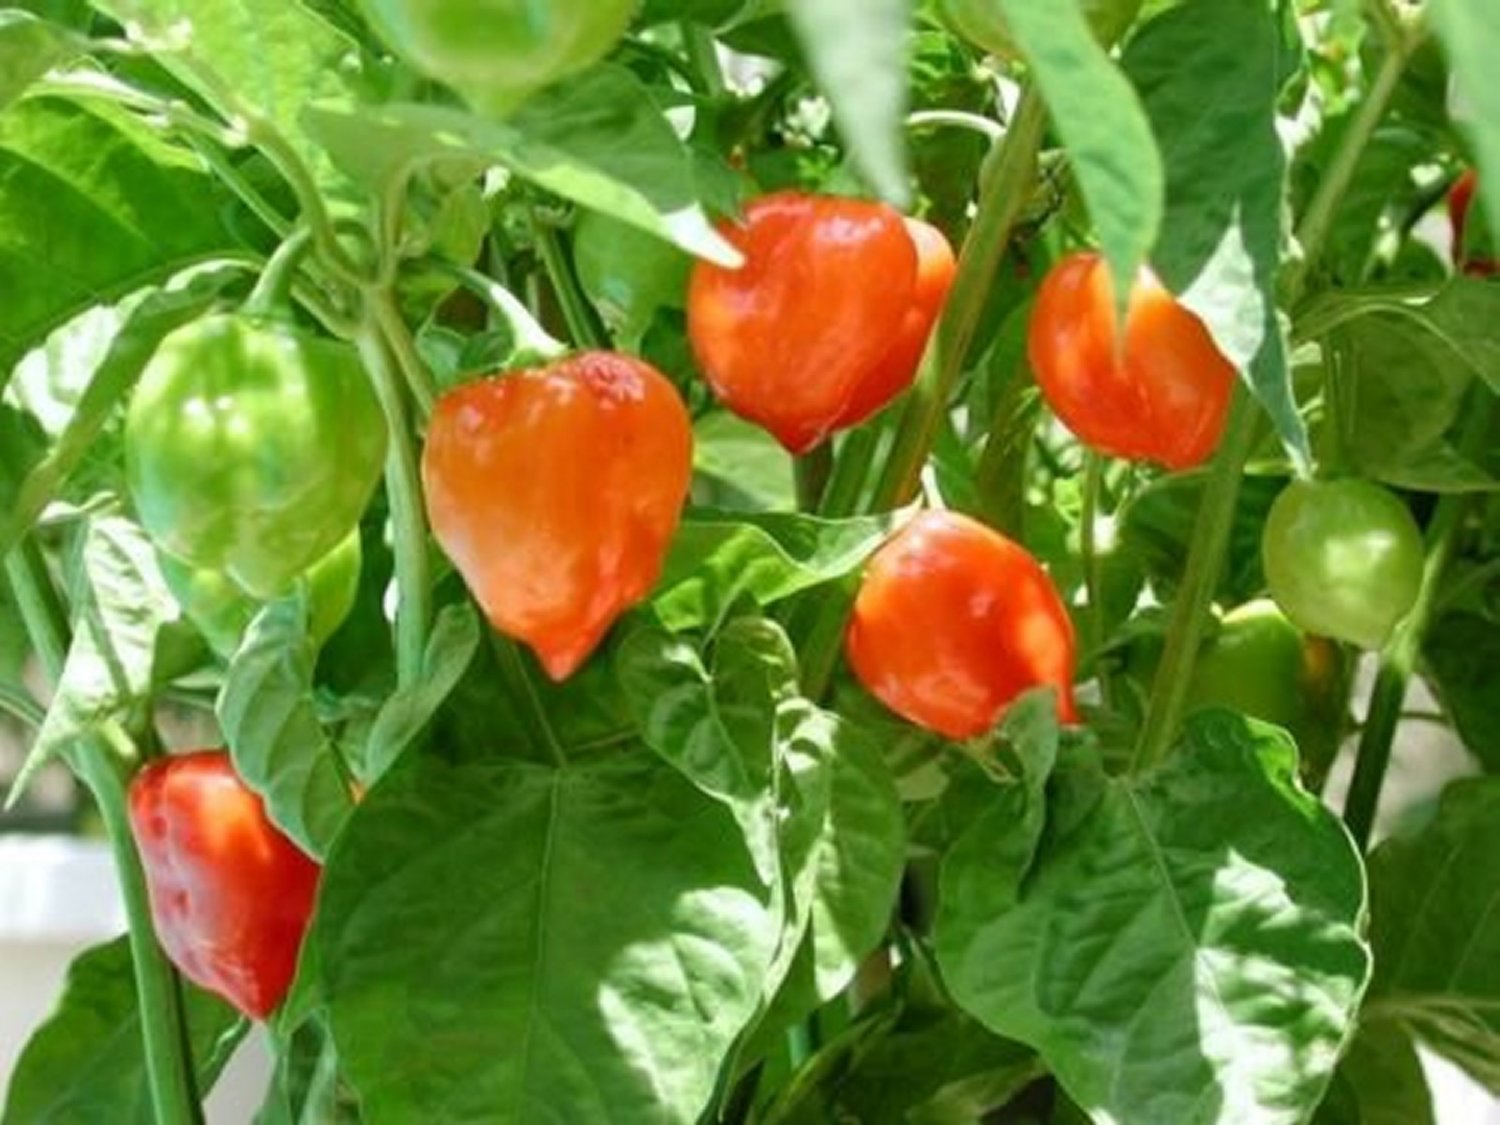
x: 252, y: 447
x: 827, y: 319
x: 953, y: 621
x: 555, y: 492
x: 230, y: 895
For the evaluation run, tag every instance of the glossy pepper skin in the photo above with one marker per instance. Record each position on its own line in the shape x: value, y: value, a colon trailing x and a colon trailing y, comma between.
x: 825, y: 321
x: 1343, y: 559
x: 953, y: 621
x: 555, y: 492
x: 230, y: 895
x: 1164, y: 397
x: 1460, y: 203
x: 252, y: 447
x: 495, y: 52
x: 221, y: 611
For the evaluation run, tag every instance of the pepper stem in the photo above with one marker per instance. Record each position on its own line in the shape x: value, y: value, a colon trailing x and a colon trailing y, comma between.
x: 271, y: 297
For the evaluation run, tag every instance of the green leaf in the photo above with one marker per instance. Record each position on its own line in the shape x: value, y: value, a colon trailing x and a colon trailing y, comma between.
x: 1182, y: 947
x: 23, y: 443
x: 743, y: 459
x: 1397, y: 392
x: 719, y: 736
x: 132, y: 348
x: 85, y: 1065
x: 93, y: 205
x: 269, y: 56
x: 1379, y: 1082
x: 522, y: 944
x: 281, y: 750
x: 1103, y: 126
x: 1470, y: 33
x: 1221, y: 236
x: 717, y: 558
x: 598, y: 140
x: 121, y: 604
x: 402, y: 717
x: 29, y: 47
x: 1462, y: 652
x: 859, y: 852
x: 304, y: 1088
x: 857, y: 51
x: 1437, y: 951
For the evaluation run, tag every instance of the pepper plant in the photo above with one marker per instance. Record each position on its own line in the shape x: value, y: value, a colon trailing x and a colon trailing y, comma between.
x: 757, y: 560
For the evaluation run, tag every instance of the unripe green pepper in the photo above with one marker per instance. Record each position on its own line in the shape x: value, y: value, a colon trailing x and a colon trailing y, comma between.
x: 221, y: 611
x: 495, y: 52
x: 982, y: 23
x: 252, y: 447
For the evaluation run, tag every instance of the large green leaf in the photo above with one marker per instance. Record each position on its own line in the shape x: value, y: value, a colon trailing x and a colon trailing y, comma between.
x: 281, y: 750
x: 267, y: 56
x: 93, y: 205
x: 1397, y: 393
x: 120, y: 606
x: 598, y: 140
x: 1182, y: 947
x: 1470, y: 32
x: 86, y: 1065
x: 1220, y: 61
x: 857, y: 50
x: 1102, y: 125
x: 29, y: 47
x: 717, y: 558
x: 1462, y: 651
x: 514, y: 943
x: 1433, y: 897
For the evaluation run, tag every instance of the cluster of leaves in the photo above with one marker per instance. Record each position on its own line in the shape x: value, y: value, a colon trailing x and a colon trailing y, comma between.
x: 689, y: 884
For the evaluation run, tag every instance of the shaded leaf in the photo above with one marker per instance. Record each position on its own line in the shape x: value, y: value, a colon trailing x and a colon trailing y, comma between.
x: 521, y: 944
x: 1183, y: 947
x: 86, y: 1064
x: 1433, y: 897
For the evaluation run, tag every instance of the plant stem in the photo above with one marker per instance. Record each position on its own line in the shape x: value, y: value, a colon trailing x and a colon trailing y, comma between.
x: 812, y: 471
x: 956, y: 119
x: 1093, y: 578
x: 531, y: 340
x: 583, y: 325
x: 169, y: 1070
x: 703, y: 55
x: 1004, y: 188
x: 408, y: 521
x: 399, y: 341
x: 1398, y: 660
x: 850, y: 469
x: 1196, y: 594
x: 1317, y: 221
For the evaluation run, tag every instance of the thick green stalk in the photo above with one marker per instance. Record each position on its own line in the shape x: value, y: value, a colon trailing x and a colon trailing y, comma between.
x: 408, y: 519
x: 583, y: 323
x: 812, y: 471
x: 1004, y: 190
x: 1093, y: 576
x: 169, y: 1069
x: 850, y: 469
x: 1196, y: 594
